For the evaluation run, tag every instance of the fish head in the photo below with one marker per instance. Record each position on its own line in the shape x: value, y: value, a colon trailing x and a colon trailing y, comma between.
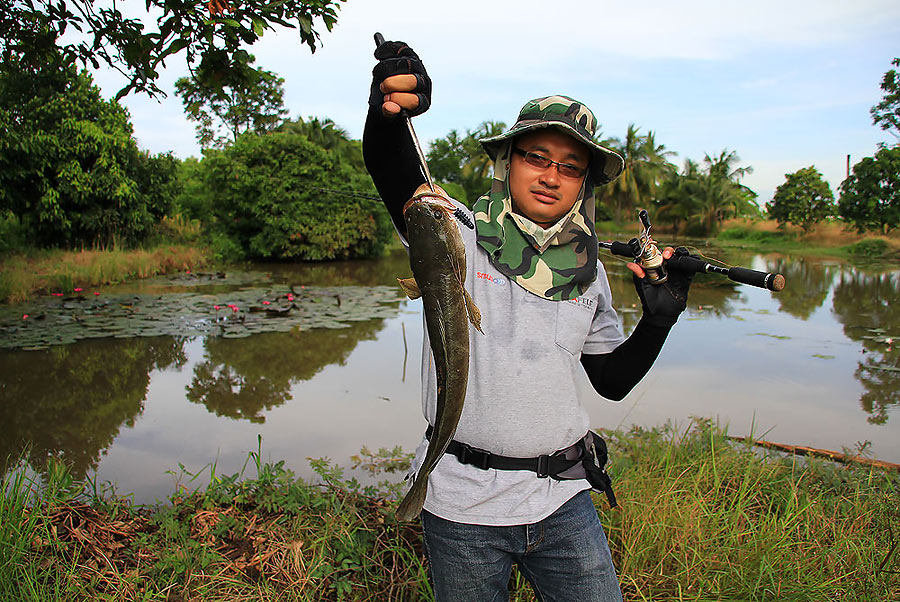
x: 429, y: 210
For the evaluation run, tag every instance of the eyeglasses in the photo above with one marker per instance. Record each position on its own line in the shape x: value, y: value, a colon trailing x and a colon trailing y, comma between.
x: 565, y: 169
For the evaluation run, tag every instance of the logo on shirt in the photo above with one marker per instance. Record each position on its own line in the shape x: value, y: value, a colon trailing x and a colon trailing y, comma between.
x: 585, y: 302
x: 489, y: 278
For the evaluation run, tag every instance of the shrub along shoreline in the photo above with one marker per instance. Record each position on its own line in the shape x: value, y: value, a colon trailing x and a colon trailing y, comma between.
x: 700, y: 518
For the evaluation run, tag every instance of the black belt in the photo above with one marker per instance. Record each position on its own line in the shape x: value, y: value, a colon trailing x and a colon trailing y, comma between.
x: 585, y: 459
x: 545, y: 465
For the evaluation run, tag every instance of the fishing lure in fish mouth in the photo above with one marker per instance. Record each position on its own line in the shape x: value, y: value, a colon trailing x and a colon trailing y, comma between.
x: 439, y: 198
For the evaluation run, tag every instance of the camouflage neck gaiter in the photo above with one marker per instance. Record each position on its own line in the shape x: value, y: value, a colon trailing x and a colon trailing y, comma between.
x: 558, y: 263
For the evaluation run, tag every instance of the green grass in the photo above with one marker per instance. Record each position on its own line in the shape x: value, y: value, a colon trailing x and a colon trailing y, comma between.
x: 23, y: 275
x: 700, y: 518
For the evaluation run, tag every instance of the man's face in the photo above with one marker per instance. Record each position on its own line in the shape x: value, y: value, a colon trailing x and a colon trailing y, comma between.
x: 544, y: 195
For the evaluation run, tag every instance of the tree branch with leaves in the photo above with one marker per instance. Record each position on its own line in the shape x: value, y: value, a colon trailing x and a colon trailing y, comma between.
x: 211, y: 34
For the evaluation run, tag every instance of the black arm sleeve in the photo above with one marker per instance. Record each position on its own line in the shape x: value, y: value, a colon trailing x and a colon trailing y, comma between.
x: 616, y: 373
x: 392, y: 162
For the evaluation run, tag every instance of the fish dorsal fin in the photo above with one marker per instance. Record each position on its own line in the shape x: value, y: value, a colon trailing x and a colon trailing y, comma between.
x: 410, y: 287
x: 473, y: 311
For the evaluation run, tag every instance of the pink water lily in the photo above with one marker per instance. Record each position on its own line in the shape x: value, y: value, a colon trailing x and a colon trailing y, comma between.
x: 267, y: 302
x: 217, y: 307
x: 24, y: 316
x: 96, y: 293
x: 77, y: 290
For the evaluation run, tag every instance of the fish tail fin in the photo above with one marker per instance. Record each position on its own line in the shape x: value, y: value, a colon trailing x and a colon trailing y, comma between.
x: 412, y: 504
x: 410, y: 287
x: 473, y: 311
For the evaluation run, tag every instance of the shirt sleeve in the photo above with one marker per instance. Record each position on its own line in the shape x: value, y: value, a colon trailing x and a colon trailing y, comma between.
x: 605, y: 333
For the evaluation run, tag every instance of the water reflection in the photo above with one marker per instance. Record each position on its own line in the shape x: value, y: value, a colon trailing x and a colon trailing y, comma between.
x: 806, y: 359
x: 866, y: 304
x: 70, y: 401
x: 239, y: 378
x: 809, y: 283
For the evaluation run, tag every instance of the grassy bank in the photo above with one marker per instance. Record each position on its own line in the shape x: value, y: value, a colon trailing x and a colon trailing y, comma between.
x: 23, y: 275
x: 827, y: 239
x: 700, y: 518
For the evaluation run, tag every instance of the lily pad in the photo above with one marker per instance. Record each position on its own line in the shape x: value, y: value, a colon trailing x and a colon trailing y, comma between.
x: 190, y: 313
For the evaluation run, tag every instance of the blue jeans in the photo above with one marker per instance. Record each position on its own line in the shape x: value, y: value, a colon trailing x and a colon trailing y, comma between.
x: 565, y: 557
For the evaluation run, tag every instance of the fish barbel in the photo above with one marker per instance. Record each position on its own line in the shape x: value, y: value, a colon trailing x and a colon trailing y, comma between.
x: 437, y: 257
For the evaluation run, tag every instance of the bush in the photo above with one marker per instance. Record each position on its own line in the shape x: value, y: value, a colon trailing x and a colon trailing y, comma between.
x: 869, y: 247
x: 755, y: 236
x: 279, y: 196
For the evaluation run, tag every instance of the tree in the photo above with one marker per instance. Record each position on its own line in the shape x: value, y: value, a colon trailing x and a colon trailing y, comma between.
x: 887, y: 112
x: 646, y: 166
x: 703, y: 196
x: 279, y: 196
x: 252, y: 100
x: 803, y: 200
x: 211, y: 33
x: 870, y: 197
x: 678, y: 197
x: 69, y: 166
x: 461, y: 160
x: 721, y: 193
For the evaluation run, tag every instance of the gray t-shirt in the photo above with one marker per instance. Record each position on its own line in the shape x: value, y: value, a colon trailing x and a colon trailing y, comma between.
x: 521, y: 398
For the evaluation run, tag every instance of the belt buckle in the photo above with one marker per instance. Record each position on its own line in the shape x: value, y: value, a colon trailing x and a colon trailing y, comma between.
x: 479, y: 458
x: 543, y: 466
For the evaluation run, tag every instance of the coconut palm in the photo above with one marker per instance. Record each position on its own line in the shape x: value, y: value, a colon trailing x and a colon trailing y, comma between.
x: 701, y: 197
x: 646, y: 167
x: 722, y: 194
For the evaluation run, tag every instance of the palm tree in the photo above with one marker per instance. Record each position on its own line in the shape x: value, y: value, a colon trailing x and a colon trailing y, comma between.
x: 702, y: 197
x: 646, y: 167
x: 678, y: 196
x: 722, y: 194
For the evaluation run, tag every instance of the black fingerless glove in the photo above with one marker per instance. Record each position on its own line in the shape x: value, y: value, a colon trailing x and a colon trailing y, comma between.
x: 663, y: 303
x: 396, y: 58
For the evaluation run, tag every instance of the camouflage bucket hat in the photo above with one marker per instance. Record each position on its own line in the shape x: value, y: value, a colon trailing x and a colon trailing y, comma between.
x: 572, y: 117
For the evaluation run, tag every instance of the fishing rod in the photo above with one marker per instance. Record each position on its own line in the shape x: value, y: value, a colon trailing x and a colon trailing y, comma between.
x: 643, y: 251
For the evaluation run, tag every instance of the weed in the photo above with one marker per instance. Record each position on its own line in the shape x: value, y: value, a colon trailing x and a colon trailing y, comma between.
x: 701, y: 517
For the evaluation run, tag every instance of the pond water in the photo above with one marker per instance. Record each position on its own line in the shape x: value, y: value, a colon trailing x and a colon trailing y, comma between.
x: 320, y: 360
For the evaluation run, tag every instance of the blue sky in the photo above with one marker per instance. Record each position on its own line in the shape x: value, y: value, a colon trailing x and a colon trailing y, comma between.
x: 784, y: 84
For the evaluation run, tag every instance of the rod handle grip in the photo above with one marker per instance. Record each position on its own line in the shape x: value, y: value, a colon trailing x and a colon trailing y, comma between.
x: 769, y: 280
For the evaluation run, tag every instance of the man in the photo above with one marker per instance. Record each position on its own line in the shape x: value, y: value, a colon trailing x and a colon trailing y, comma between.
x: 546, y: 307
